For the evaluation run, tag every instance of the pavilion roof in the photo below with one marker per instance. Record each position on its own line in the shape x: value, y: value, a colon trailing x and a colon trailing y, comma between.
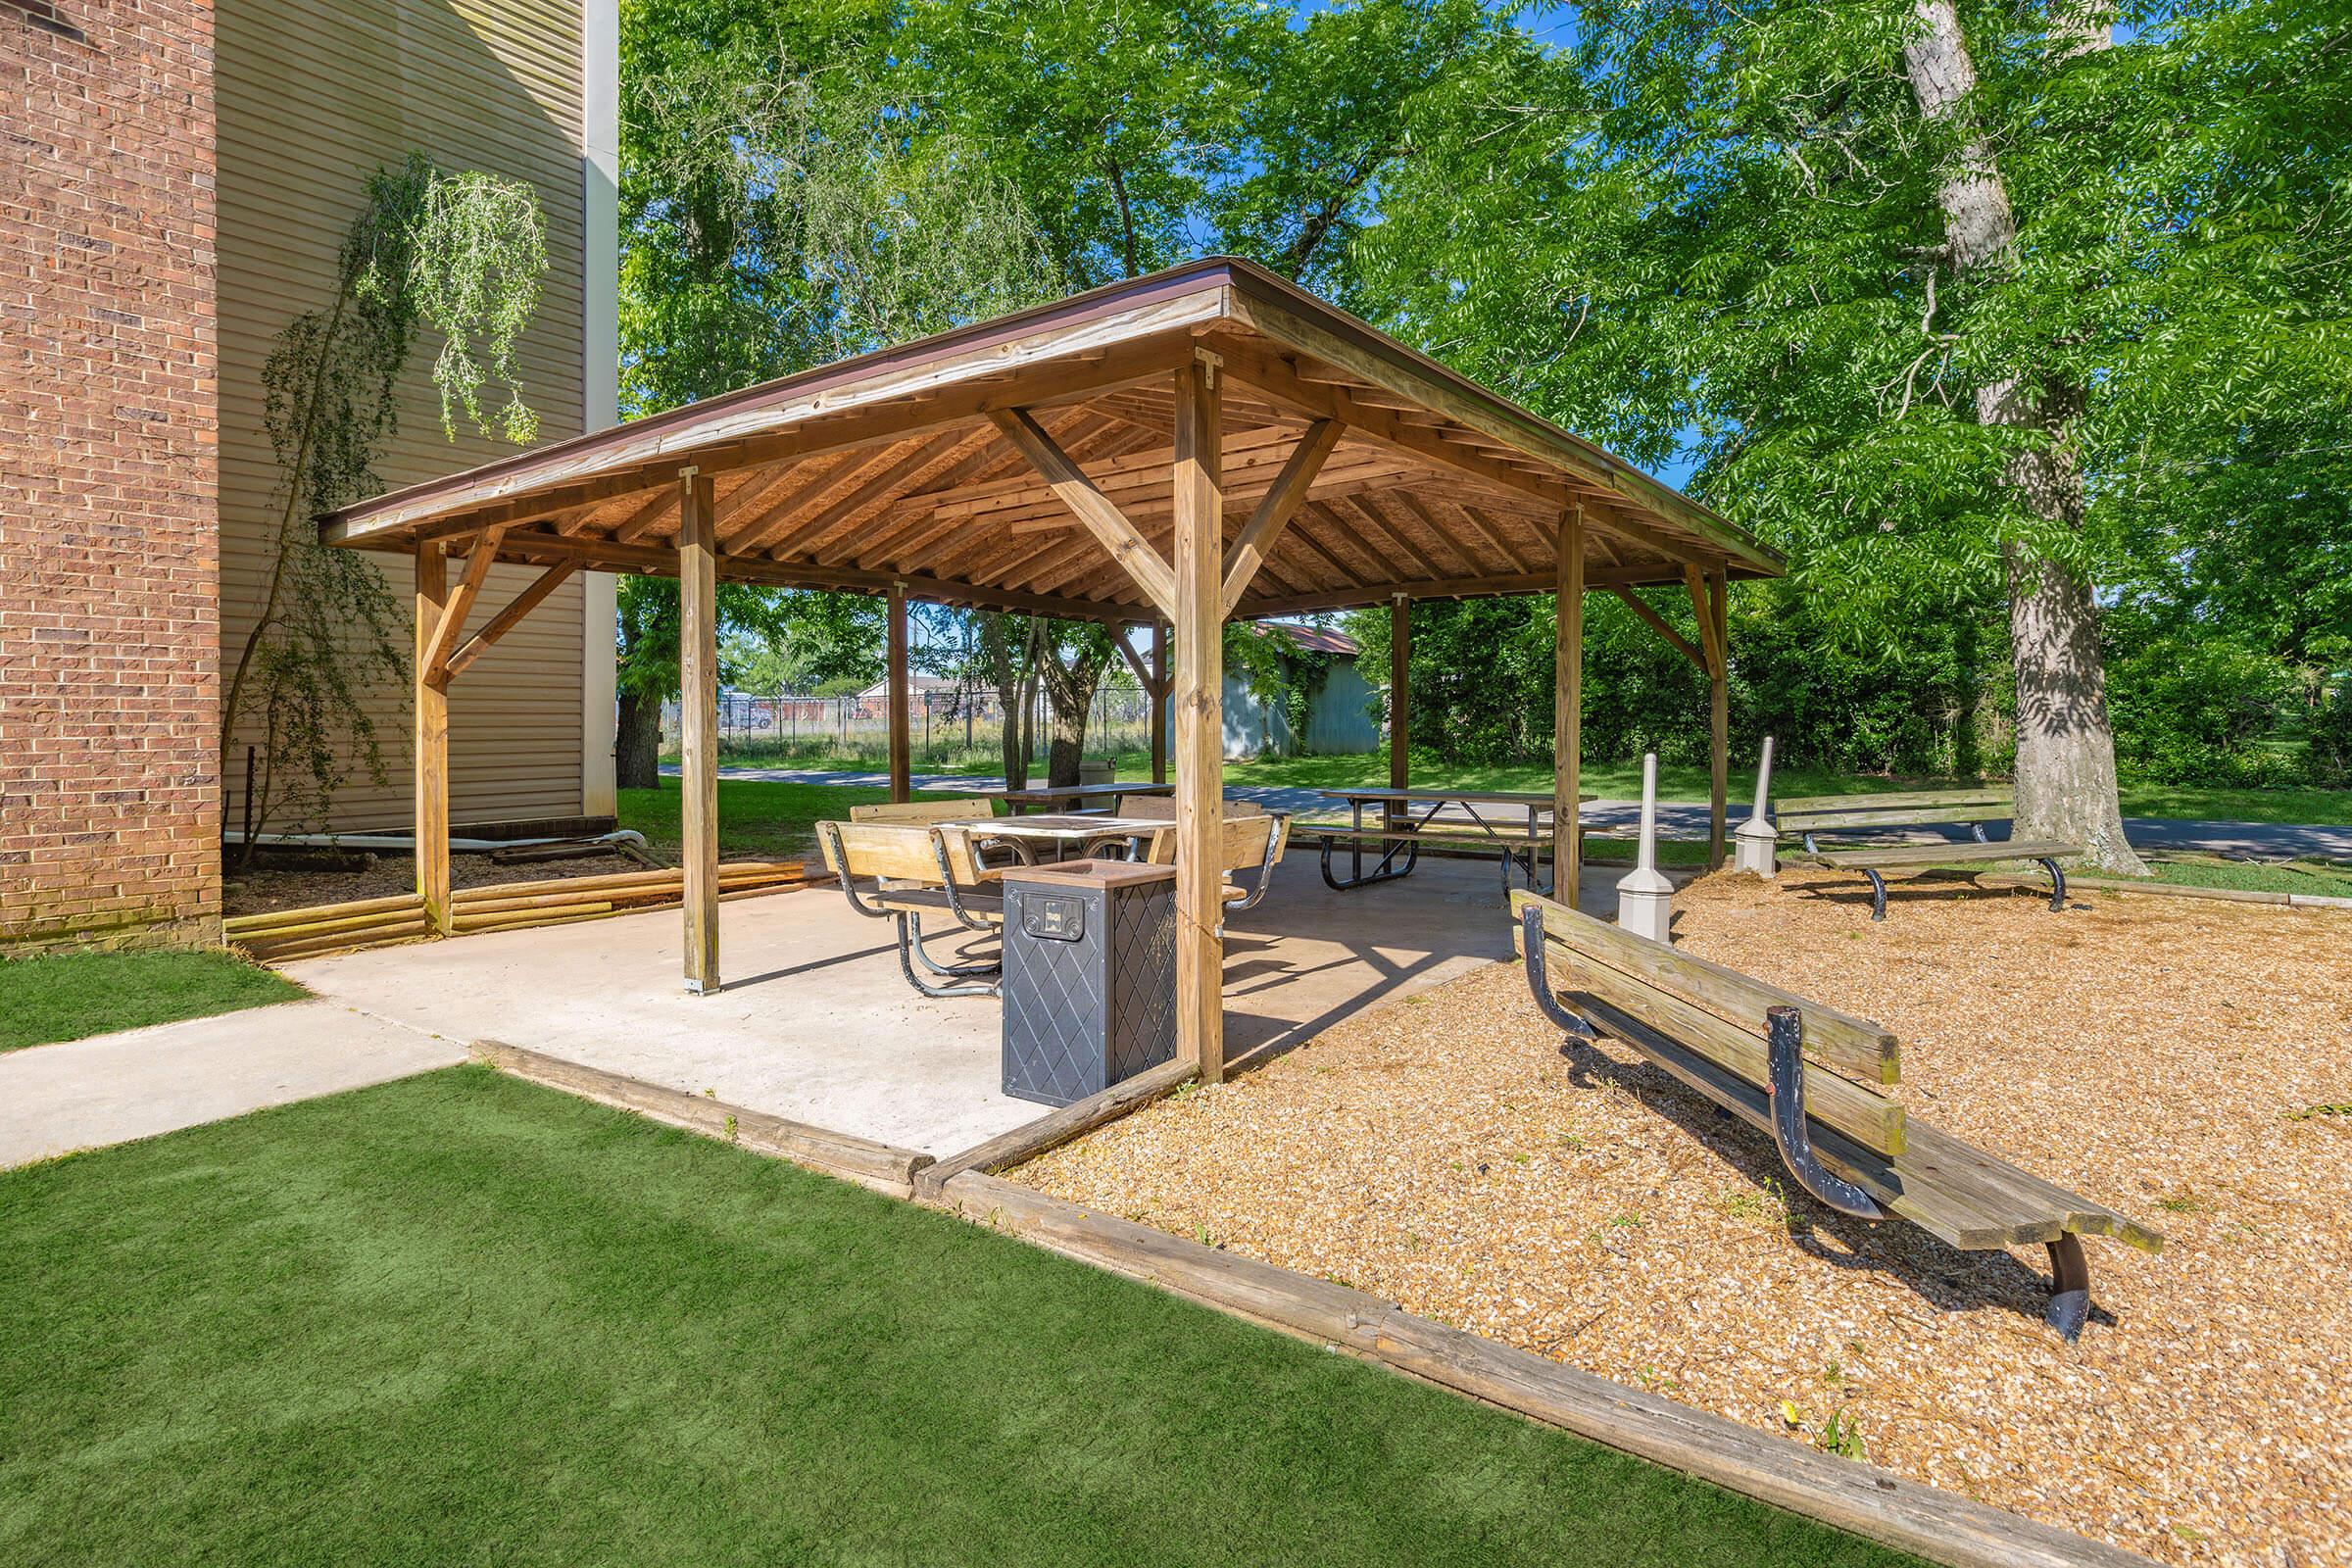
x: 920, y: 464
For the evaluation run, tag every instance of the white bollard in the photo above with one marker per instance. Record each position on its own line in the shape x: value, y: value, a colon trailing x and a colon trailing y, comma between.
x: 1755, y: 846
x: 1645, y: 897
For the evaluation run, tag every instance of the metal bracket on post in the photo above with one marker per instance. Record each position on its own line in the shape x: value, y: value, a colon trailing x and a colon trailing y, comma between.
x: 1785, y: 1040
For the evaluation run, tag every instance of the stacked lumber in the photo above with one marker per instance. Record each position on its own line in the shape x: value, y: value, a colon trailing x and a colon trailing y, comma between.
x: 282, y: 934
x: 507, y: 905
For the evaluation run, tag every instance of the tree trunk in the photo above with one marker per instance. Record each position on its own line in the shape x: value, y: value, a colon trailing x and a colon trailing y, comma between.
x: 2066, y: 784
x: 1069, y: 695
x: 636, y: 759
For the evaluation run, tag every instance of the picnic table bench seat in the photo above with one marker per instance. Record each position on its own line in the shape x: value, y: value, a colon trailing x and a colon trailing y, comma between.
x: 1806, y: 820
x: 1820, y: 1082
x: 916, y: 869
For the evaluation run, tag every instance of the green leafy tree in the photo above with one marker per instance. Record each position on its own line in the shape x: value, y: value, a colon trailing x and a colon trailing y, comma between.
x: 776, y: 216
x: 463, y: 253
x: 1914, y: 285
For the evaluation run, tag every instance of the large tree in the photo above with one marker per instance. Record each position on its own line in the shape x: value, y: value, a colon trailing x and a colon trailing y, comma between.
x: 1911, y: 284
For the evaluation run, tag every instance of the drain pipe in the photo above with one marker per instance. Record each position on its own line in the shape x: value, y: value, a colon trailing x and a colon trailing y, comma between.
x: 405, y: 843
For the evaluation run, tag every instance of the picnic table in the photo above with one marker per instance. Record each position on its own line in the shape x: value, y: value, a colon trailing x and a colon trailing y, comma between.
x: 1018, y: 802
x: 1405, y: 833
x: 1030, y: 836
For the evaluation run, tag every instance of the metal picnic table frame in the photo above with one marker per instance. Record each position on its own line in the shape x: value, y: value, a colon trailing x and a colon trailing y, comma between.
x: 1400, y: 804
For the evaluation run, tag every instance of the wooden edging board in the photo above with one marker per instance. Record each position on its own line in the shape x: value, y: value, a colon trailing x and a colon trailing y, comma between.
x: 1032, y: 1139
x: 2171, y: 889
x: 1847, y: 1494
x: 880, y: 1166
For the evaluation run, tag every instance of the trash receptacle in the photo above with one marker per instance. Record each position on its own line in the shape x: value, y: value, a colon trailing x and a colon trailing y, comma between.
x: 1089, y: 976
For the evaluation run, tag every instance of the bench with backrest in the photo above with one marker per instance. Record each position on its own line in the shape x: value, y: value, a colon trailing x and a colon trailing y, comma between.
x: 1820, y: 1082
x: 912, y: 870
x: 1808, y: 820
x: 925, y: 813
x: 1250, y: 845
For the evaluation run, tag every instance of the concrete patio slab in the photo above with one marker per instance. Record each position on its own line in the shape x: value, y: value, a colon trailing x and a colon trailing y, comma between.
x: 87, y: 1094
x: 815, y: 1023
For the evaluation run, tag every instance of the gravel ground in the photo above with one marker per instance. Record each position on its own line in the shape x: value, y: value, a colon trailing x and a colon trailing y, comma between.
x: 2163, y: 1058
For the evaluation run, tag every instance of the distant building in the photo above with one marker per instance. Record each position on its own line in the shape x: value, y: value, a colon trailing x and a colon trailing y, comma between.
x: 1342, y: 706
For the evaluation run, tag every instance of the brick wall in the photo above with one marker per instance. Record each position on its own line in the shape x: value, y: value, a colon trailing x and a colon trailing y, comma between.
x: 109, y: 547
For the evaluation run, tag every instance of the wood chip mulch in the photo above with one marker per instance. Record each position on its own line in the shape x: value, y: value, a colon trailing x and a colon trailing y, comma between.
x: 2188, y: 1063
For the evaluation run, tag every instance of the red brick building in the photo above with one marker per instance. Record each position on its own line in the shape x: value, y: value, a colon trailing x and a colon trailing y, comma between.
x: 109, y: 536
x: 174, y: 179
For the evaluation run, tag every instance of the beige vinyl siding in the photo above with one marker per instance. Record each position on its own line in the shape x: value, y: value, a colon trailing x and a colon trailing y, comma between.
x: 314, y: 95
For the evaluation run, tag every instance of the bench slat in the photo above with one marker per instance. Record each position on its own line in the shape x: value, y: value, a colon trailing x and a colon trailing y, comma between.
x: 1864, y: 1114
x: 1915, y: 799
x: 1471, y: 840
x: 1959, y: 1195
x: 1846, y: 1044
x: 1937, y: 853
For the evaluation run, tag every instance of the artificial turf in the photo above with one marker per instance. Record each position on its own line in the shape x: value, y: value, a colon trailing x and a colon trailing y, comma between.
x: 70, y: 995
x: 461, y: 1319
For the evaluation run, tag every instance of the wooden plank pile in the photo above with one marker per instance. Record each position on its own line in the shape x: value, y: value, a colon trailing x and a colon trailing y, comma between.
x: 282, y: 934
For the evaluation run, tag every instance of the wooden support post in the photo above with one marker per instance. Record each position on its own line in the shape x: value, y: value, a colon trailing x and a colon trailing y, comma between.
x: 1160, y: 701
x: 1719, y: 719
x: 1198, y: 571
x: 1568, y: 712
x: 1401, y: 706
x: 698, y: 723
x: 901, y: 775
x: 431, y: 744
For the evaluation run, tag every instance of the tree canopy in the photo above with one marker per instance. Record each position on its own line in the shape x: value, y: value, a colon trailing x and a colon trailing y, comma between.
x: 1717, y: 237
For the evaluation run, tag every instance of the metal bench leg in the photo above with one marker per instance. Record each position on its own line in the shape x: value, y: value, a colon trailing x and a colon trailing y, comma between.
x: 1538, y: 978
x: 2070, y: 1287
x: 1785, y: 1038
x: 966, y: 980
x: 2057, y: 887
x: 1877, y: 893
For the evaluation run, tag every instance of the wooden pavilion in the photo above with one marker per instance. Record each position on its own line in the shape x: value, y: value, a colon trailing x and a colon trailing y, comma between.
x: 1206, y: 443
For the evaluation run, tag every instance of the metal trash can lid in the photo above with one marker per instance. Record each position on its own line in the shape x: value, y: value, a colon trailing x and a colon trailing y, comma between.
x: 1090, y: 873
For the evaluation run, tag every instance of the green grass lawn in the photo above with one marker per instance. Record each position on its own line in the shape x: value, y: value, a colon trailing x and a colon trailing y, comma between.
x: 463, y: 1319
x: 71, y: 996
x: 2291, y: 876
x: 1623, y: 781
x: 755, y: 816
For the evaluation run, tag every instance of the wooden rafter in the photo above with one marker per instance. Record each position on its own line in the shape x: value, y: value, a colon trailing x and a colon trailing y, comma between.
x: 893, y: 475
x: 1104, y: 519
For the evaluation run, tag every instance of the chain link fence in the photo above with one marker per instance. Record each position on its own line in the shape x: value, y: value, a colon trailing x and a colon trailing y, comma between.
x: 945, y: 728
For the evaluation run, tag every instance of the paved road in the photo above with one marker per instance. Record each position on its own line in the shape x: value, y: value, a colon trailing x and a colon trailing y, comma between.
x: 1682, y: 819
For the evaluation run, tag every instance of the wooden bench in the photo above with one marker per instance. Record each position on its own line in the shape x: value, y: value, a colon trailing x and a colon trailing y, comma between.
x: 917, y: 869
x: 1806, y: 820
x: 1820, y: 1082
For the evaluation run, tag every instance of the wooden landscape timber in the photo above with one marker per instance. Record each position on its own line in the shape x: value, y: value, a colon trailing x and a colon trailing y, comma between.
x: 1848, y: 1494
x: 305, y: 933
x: 879, y: 1166
x: 1179, y: 450
x: 1052, y: 1131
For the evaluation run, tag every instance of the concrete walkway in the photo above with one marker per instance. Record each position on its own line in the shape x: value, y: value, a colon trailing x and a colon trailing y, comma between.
x: 110, y: 1089
x: 1682, y: 818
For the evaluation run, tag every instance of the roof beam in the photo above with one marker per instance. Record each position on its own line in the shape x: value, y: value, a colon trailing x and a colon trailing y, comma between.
x: 1658, y: 623
x: 1105, y: 520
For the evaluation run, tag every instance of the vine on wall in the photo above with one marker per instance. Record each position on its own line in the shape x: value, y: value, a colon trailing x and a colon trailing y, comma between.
x: 461, y: 254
